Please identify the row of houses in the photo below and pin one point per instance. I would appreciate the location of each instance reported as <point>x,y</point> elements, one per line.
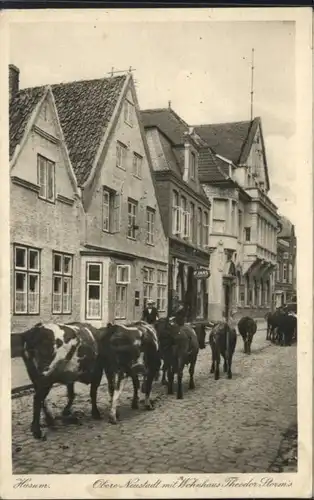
<point>111,205</point>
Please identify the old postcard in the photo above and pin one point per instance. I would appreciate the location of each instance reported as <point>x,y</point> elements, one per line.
<point>157,253</point>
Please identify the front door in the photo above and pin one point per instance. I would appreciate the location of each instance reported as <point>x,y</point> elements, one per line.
<point>227,293</point>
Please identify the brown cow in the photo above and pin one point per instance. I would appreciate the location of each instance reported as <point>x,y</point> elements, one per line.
<point>179,346</point>
<point>222,340</point>
<point>247,328</point>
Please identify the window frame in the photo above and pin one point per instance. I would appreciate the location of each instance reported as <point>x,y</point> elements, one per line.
<point>205,228</point>
<point>27,272</point>
<point>134,203</point>
<point>193,165</point>
<point>220,219</point>
<point>47,162</point>
<point>137,172</point>
<point>122,156</point>
<point>88,283</point>
<point>150,226</point>
<point>199,227</point>
<point>63,276</point>
<point>161,286</point>
<point>246,239</point>
<point>148,283</point>
<point>176,214</point>
<point>119,268</point>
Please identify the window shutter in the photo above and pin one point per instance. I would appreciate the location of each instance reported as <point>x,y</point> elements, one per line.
<point>117,213</point>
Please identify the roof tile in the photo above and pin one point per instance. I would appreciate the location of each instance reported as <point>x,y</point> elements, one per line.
<point>226,139</point>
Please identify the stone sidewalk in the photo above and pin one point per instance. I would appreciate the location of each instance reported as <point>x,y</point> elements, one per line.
<point>225,426</point>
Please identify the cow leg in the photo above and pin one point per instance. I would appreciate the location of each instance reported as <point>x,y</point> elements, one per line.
<point>38,402</point>
<point>225,365</point>
<point>136,385</point>
<point>229,362</point>
<point>164,379</point>
<point>212,369</point>
<point>71,396</point>
<point>95,383</point>
<point>217,363</point>
<point>115,398</point>
<point>148,392</point>
<point>170,376</point>
<point>179,377</point>
<point>191,372</point>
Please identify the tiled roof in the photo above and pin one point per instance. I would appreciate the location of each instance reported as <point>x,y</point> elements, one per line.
<point>211,168</point>
<point>286,227</point>
<point>21,108</point>
<point>226,139</point>
<point>84,109</point>
<point>168,122</point>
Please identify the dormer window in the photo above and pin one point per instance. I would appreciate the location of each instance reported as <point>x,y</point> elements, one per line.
<point>128,112</point>
<point>192,165</point>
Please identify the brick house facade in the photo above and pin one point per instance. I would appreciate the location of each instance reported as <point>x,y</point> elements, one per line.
<point>185,210</point>
<point>285,282</point>
<point>45,216</point>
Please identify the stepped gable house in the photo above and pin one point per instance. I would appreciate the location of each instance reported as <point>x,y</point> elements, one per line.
<point>174,149</point>
<point>244,221</point>
<point>285,285</point>
<point>123,250</point>
<point>46,213</point>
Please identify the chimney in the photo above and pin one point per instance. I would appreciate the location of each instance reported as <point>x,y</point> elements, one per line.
<point>14,77</point>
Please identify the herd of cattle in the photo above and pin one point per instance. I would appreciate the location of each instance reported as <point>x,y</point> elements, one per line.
<point>78,352</point>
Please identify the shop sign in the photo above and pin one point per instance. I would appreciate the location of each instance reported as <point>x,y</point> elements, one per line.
<point>201,273</point>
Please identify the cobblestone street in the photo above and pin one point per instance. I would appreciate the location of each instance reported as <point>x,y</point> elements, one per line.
<point>225,426</point>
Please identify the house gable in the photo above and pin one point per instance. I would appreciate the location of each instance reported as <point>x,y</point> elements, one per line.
<point>129,178</point>
<point>254,156</point>
<point>43,136</point>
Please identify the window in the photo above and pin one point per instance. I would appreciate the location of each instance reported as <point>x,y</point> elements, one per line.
<point>290,273</point>
<point>286,255</point>
<point>192,222</point>
<point>186,218</point>
<point>176,214</point>
<point>199,226</point>
<point>161,290</point>
<point>148,284</point>
<point>62,283</point>
<point>278,272</point>
<point>121,155</point>
<point>111,211</point>
<point>205,228</point>
<point>94,290</point>
<point>284,273</point>
<point>150,222</point>
<point>233,222</point>
<point>123,279</point>
<point>128,112</point>
<point>219,216</point>
<point>137,165</point>
<point>46,178</point>
<point>240,225</point>
<point>132,212</point>
<point>193,166</point>
<point>26,280</point>
<point>247,233</point>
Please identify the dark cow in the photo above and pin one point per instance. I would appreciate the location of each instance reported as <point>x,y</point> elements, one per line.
<point>247,328</point>
<point>272,324</point>
<point>179,347</point>
<point>127,351</point>
<point>222,340</point>
<point>64,354</point>
<point>286,328</point>
<point>165,344</point>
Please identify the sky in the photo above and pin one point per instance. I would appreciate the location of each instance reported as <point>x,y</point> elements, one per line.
<point>202,67</point>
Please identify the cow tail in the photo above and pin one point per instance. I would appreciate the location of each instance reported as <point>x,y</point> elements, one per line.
<point>227,343</point>
<point>27,355</point>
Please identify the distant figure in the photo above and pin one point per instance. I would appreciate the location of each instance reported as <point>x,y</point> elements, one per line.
<point>150,312</point>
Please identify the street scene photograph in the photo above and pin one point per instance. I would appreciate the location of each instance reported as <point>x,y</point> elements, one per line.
<point>153,248</point>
